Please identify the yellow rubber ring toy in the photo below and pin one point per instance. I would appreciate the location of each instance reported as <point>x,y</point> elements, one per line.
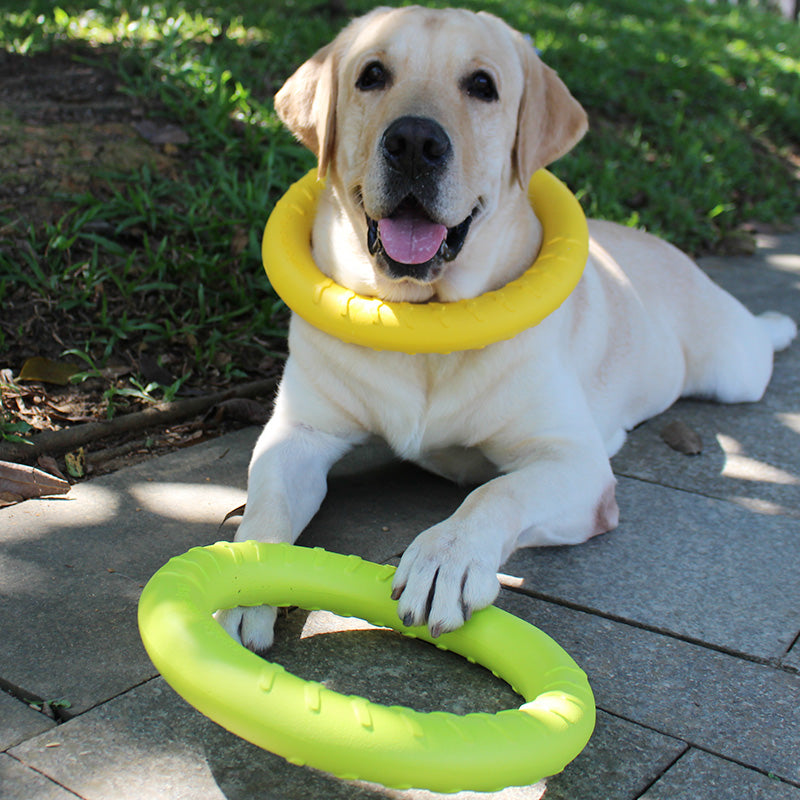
<point>351,737</point>
<point>426,327</point>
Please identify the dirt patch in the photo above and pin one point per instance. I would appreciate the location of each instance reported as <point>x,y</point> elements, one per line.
<point>63,124</point>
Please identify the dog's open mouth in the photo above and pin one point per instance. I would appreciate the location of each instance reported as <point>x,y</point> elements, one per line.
<point>409,236</point>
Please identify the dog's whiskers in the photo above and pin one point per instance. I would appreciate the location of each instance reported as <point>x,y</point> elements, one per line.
<point>357,196</point>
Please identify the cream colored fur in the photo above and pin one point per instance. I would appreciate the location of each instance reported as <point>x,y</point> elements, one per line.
<point>540,414</point>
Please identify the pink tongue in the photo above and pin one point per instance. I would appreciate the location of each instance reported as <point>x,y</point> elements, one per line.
<point>411,239</point>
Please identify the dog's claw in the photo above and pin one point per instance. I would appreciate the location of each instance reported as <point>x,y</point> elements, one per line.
<point>442,581</point>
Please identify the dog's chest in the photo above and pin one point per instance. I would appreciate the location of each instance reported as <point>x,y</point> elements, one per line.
<point>418,403</point>
<point>425,403</point>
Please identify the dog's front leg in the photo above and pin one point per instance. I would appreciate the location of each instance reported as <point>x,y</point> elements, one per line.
<point>286,485</point>
<point>563,495</point>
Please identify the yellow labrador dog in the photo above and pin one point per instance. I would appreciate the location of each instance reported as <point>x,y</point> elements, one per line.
<point>428,125</point>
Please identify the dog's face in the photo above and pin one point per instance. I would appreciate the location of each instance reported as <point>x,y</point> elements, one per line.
<point>428,122</point>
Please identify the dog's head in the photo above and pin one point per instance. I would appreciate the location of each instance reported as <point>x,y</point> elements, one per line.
<point>428,124</point>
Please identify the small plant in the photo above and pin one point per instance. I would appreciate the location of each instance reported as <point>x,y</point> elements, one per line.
<point>149,393</point>
<point>146,393</point>
<point>12,430</point>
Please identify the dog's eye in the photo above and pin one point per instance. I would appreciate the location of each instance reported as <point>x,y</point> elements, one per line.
<point>373,76</point>
<point>480,86</point>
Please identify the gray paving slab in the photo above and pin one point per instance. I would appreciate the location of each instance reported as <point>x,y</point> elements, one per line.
<point>751,454</point>
<point>73,639</point>
<point>699,567</point>
<point>702,775</point>
<point>18,782</point>
<point>19,721</point>
<point>792,659</point>
<point>149,743</point>
<point>619,762</point>
<point>179,754</point>
<point>72,567</point>
<point>376,514</point>
<point>741,710</point>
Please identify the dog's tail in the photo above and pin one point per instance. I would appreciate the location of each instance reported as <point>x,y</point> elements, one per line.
<point>780,329</point>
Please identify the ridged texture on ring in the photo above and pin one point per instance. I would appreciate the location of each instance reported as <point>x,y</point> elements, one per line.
<point>426,327</point>
<point>351,737</point>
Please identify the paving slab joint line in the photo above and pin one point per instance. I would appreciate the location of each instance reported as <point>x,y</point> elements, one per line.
<point>67,717</point>
<point>795,641</point>
<point>739,763</point>
<point>787,514</point>
<point>772,663</point>
<point>664,771</point>
<point>32,700</point>
<point>691,745</point>
<point>47,777</point>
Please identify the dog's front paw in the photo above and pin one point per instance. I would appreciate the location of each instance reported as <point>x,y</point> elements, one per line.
<point>251,626</point>
<point>442,579</point>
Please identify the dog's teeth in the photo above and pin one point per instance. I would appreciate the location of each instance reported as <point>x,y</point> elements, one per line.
<point>373,240</point>
<point>452,245</point>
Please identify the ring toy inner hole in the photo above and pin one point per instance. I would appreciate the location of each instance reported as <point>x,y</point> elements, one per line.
<point>350,736</point>
<point>426,327</point>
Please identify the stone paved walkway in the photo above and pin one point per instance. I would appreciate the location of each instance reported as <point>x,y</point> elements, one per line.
<point>686,618</point>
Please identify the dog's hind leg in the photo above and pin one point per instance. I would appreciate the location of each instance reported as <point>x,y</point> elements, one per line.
<point>730,359</point>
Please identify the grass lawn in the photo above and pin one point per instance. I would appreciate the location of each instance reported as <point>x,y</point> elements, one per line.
<point>134,227</point>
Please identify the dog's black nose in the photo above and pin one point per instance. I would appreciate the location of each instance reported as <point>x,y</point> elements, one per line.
<point>415,146</point>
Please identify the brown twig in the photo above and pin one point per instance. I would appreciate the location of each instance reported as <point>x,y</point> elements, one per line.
<point>62,441</point>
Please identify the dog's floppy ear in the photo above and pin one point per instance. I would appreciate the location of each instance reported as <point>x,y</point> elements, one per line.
<point>550,122</point>
<point>306,104</point>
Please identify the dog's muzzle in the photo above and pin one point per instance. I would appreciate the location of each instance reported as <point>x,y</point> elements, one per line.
<point>410,241</point>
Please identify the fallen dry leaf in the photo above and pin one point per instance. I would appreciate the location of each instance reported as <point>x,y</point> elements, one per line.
<point>679,436</point>
<point>76,463</point>
<point>46,370</point>
<point>19,482</point>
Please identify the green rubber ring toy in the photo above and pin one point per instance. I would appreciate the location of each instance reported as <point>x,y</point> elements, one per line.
<point>426,327</point>
<point>352,737</point>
